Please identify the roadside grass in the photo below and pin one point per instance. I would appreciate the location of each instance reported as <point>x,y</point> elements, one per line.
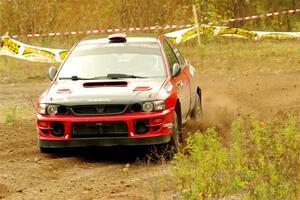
<point>18,71</point>
<point>10,114</point>
<point>226,55</point>
<point>262,162</point>
<point>214,56</point>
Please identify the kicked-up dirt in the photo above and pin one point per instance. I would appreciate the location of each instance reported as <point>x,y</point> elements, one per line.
<point>123,172</point>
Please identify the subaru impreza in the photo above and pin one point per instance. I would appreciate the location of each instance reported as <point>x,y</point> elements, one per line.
<point>118,90</point>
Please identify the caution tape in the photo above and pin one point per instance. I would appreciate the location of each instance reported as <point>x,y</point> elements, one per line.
<point>271,14</point>
<point>97,31</point>
<point>16,49</point>
<point>278,35</point>
<point>187,34</point>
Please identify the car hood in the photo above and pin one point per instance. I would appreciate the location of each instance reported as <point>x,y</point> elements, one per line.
<point>121,91</point>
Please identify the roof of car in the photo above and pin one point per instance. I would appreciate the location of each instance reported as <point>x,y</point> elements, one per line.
<point>128,40</point>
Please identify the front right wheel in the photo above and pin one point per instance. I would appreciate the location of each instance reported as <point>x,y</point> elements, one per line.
<point>175,142</point>
<point>168,150</point>
<point>197,110</point>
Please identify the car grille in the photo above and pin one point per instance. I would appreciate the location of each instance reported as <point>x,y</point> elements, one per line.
<point>98,109</point>
<point>99,129</point>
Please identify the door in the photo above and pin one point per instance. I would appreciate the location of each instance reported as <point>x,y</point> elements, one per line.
<point>181,81</point>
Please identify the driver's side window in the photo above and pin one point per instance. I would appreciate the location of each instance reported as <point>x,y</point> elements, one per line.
<point>171,56</point>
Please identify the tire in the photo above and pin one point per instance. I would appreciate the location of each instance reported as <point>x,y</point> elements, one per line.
<point>197,112</point>
<point>175,142</point>
<point>168,150</point>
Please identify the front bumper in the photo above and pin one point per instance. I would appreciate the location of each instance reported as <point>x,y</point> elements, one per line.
<point>158,132</point>
<point>108,141</point>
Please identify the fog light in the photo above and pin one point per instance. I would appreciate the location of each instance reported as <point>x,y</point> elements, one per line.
<point>157,120</point>
<point>57,128</point>
<point>43,124</point>
<point>141,126</point>
<point>45,131</point>
<point>156,128</point>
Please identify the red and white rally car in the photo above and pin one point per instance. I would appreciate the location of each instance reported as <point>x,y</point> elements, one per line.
<point>118,91</point>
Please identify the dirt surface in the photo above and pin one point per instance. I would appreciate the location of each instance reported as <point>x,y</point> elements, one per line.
<point>101,173</point>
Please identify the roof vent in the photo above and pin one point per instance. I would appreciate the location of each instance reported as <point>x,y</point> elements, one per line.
<point>117,38</point>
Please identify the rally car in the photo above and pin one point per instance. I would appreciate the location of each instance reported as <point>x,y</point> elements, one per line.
<point>118,90</point>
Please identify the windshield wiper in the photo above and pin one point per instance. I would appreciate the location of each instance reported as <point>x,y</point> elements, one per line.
<point>117,76</point>
<point>74,78</point>
<point>110,76</point>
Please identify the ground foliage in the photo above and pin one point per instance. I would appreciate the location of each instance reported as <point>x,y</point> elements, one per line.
<point>261,161</point>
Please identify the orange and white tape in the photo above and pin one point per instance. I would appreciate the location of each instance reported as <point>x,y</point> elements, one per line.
<point>111,30</point>
<point>272,14</point>
<point>14,48</point>
<point>149,28</point>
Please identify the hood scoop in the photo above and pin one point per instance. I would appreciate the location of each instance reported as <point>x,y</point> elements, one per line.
<point>106,84</point>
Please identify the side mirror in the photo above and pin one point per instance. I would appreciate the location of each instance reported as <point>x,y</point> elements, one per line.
<point>52,72</point>
<point>186,61</point>
<point>176,69</point>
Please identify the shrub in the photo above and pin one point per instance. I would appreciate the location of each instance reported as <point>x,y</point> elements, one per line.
<point>261,162</point>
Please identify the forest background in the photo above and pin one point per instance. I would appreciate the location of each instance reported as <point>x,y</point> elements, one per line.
<point>42,16</point>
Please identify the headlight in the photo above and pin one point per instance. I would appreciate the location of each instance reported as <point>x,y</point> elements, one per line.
<point>42,108</point>
<point>51,109</point>
<point>159,105</point>
<point>153,106</point>
<point>147,107</point>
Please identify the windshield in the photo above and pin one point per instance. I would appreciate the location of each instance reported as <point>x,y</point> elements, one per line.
<point>131,60</point>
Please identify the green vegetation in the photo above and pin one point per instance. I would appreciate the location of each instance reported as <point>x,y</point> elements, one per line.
<point>262,161</point>
<point>10,115</point>
<point>225,55</point>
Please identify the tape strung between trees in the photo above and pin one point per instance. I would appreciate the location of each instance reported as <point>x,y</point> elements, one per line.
<point>16,49</point>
